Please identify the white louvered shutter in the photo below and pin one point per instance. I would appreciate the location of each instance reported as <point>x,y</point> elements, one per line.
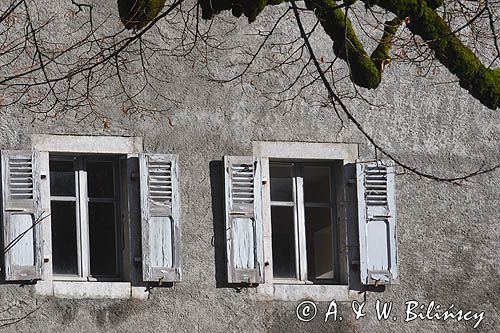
<point>21,216</point>
<point>377,222</point>
<point>160,214</point>
<point>243,221</point>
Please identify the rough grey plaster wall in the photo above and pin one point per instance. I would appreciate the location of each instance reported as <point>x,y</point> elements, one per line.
<point>449,236</point>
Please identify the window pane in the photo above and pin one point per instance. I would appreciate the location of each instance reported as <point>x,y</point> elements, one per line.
<point>100,179</point>
<point>281,182</point>
<point>62,178</point>
<point>102,229</point>
<point>319,238</point>
<point>317,184</point>
<point>64,244</point>
<point>283,241</point>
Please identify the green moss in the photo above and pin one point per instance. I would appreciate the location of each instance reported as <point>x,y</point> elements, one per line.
<point>250,8</point>
<point>381,54</point>
<point>481,82</point>
<point>346,44</point>
<point>435,3</point>
<point>253,8</point>
<point>136,14</point>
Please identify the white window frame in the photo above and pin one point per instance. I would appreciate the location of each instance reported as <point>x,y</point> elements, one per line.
<point>75,144</point>
<point>306,151</point>
<point>82,199</point>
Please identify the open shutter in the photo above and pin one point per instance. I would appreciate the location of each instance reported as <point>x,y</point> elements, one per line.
<point>243,222</point>
<point>377,222</point>
<point>21,216</point>
<point>160,215</point>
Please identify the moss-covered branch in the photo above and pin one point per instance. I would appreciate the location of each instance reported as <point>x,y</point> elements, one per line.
<point>483,83</point>
<point>381,54</point>
<point>250,8</point>
<point>366,71</point>
<point>136,14</point>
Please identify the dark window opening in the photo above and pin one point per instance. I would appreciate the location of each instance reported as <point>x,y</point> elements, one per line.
<point>86,233</point>
<point>303,219</point>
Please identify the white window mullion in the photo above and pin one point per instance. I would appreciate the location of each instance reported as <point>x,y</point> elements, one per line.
<point>296,227</point>
<point>76,165</point>
<point>302,245</point>
<point>84,220</point>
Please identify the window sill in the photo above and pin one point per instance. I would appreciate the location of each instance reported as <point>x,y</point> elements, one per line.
<point>90,290</point>
<point>319,293</point>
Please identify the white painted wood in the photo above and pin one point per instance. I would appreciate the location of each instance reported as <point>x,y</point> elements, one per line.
<point>22,253</point>
<point>243,219</point>
<point>46,226</point>
<point>160,215</point>
<point>244,229</point>
<point>160,236</point>
<point>377,222</point>
<point>83,233</point>
<point>300,236</point>
<point>21,216</point>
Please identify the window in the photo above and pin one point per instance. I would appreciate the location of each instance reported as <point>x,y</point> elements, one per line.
<point>308,220</point>
<point>85,205</point>
<point>90,216</point>
<point>303,218</point>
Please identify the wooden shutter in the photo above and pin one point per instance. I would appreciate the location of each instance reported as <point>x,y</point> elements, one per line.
<point>21,216</point>
<point>377,222</point>
<point>243,221</point>
<point>160,215</point>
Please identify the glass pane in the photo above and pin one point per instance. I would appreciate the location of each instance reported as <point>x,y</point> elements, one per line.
<point>64,244</point>
<point>100,179</point>
<point>320,243</point>
<point>317,184</point>
<point>281,182</point>
<point>62,178</point>
<point>283,242</point>
<point>102,228</point>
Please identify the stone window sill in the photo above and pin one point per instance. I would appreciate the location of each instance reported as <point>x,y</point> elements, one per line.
<point>91,290</point>
<point>319,293</point>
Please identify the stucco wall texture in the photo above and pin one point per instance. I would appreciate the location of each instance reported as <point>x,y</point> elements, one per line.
<point>448,235</point>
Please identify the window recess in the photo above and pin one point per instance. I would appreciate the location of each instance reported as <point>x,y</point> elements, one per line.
<point>304,223</point>
<point>85,203</point>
